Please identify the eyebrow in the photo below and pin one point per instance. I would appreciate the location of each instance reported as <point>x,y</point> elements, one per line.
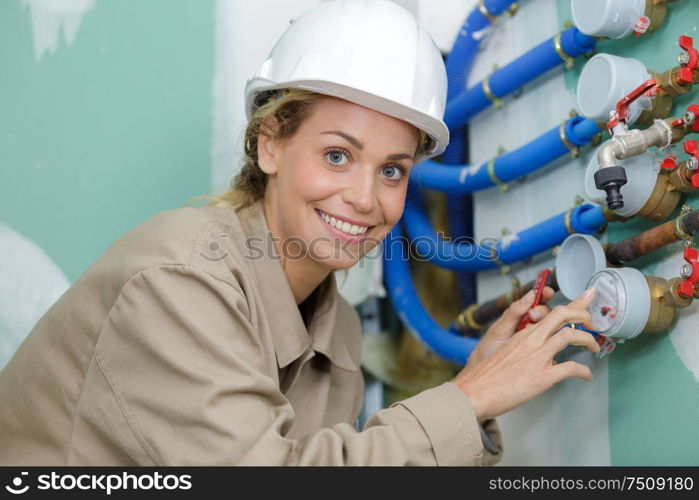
<point>358,144</point>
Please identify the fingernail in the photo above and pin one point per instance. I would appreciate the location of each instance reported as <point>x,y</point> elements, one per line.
<point>534,315</point>
<point>589,293</point>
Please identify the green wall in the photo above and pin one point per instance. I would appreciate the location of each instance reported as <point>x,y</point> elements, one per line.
<point>653,397</point>
<point>105,132</point>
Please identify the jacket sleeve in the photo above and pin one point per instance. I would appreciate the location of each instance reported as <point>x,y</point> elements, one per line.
<point>192,380</point>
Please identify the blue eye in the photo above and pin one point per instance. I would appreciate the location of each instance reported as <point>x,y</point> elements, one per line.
<point>337,157</point>
<point>392,172</point>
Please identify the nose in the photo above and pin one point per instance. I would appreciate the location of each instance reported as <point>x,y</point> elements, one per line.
<point>361,191</point>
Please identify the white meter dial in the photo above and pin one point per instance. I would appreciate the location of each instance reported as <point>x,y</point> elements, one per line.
<point>609,305</point>
<point>622,302</point>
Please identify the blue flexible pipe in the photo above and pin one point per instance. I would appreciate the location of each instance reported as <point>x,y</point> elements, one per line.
<point>519,72</point>
<point>399,284</point>
<point>467,256</point>
<point>467,42</point>
<point>446,343</point>
<point>546,148</point>
<point>458,68</point>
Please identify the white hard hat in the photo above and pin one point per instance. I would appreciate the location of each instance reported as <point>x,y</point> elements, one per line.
<point>370,52</point>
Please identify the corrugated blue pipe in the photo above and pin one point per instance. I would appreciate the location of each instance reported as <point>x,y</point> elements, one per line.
<point>519,72</point>
<point>467,256</point>
<point>458,67</point>
<point>447,344</point>
<point>463,51</point>
<point>546,148</point>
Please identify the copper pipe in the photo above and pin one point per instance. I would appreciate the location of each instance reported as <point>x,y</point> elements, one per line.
<point>634,247</point>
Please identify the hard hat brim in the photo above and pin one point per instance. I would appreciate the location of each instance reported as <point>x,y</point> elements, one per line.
<point>434,128</point>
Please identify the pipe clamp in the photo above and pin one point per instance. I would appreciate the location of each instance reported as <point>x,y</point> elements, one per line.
<point>561,53</point>
<point>567,221</point>
<point>497,102</point>
<point>677,225</point>
<point>502,186</point>
<point>483,10</point>
<point>466,320</point>
<point>574,150</point>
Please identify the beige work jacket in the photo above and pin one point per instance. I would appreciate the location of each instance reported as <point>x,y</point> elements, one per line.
<point>183,345</point>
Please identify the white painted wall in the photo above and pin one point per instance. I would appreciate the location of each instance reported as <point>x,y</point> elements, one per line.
<point>31,282</point>
<point>50,18</point>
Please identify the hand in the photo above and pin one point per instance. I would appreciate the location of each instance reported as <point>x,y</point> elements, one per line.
<point>505,326</point>
<point>523,366</point>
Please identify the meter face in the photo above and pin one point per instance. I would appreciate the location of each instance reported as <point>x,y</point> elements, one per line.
<point>609,305</point>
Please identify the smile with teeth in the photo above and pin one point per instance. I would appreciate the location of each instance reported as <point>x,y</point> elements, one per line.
<point>344,226</point>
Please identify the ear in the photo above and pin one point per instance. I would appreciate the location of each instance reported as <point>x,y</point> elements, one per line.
<point>268,150</point>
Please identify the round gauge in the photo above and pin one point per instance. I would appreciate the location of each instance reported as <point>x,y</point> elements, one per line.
<point>622,302</point>
<point>609,305</point>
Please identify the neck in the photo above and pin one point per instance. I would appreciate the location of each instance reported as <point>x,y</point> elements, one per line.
<point>303,275</point>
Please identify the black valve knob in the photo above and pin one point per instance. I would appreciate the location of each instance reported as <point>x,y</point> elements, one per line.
<point>610,179</point>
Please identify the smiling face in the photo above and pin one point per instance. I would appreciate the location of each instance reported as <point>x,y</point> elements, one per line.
<point>338,186</point>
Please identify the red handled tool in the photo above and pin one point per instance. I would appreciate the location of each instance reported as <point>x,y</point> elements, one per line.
<point>538,288</point>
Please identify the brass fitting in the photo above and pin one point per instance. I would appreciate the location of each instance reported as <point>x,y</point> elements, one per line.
<point>664,302</point>
<point>681,178</point>
<point>611,215</point>
<point>663,199</point>
<point>656,10</point>
<point>661,105</point>
<point>465,321</point>
<point>669,84</point>
<point>676,133</point>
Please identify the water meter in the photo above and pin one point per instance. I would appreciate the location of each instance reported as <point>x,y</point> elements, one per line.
<point>622,302</point>
<point>627,302</point>
<point>649,191</point>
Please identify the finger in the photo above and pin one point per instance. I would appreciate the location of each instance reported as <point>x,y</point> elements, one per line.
<point>513,314</point>
<point>575,312</point>
<point>568,369</point>
<point>548,294</point>
<point>570,336</point>
<point>538,313</point>
<point>584,300</point>
<point>561,315</point>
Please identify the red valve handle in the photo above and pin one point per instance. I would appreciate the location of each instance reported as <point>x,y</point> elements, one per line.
<point>685,75</point>
<point>686,288</point>
<point>621,113</point>
<point>669,163</point>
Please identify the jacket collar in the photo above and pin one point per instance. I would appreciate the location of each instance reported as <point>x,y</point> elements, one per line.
<point>290,335</point>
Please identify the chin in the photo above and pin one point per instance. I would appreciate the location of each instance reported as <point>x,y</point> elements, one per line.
<point>336,258</point>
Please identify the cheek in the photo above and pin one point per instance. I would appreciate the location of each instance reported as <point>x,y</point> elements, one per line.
<point>311,182</point>
<point>392,202</point>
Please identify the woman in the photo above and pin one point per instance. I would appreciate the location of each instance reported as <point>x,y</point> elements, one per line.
<point>215,335</point>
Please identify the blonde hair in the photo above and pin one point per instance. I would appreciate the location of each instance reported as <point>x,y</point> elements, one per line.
<point>288,108</point>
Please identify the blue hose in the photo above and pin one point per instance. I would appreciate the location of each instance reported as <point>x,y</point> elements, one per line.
<point>458,68</point>
<point>467,256</point>
<point>518,163</point>
<point>519,72</point>
<point>463,51</point>
<point>399,284</point>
